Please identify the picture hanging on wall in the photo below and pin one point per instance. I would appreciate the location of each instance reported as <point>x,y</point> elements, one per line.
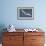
<point>25,13</point>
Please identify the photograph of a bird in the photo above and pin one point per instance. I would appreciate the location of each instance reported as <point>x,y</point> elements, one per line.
<point>26,13</point>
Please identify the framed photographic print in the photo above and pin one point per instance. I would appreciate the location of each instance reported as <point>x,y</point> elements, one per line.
<point>25,13</point>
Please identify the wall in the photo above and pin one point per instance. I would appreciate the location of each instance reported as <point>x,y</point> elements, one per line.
<point>8,13</point>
